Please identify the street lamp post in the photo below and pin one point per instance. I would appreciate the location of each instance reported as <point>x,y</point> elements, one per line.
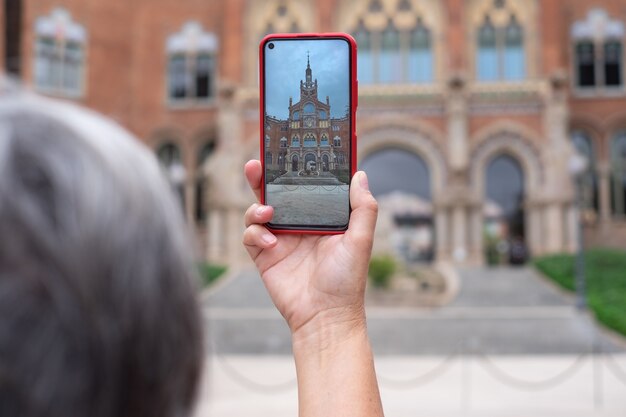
<point>578,166</point>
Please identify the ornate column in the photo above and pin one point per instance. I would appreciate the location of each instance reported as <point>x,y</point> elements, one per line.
<point>553,228</point>
<point>224,171</point>
<point>556,157</point>
<point>214,236</point>
<point>476,254</point>
<point>459,234</point>
<point>458,148</point>
<point>604,191</point>
<point>442,253</point>
<point>534,232</point>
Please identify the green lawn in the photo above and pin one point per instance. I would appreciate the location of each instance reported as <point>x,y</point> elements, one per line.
<point>606,282</point>
<point>210,273</point>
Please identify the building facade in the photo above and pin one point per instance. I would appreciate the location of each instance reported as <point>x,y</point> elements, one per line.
<point>310,139</point>
<point>475,110</point>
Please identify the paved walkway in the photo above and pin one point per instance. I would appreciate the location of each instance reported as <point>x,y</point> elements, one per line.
<point>498,311</point>
<point>509,345</point>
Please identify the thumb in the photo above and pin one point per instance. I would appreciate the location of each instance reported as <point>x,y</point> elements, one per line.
<point>364,211</point>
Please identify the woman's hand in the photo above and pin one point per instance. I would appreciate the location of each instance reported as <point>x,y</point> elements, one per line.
<point>318,285</point>
<point>313,277</point>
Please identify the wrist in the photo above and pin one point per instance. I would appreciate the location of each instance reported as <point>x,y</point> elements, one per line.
<point>329,329</point>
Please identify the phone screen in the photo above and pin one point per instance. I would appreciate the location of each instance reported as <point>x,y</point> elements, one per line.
<point>308,132</point>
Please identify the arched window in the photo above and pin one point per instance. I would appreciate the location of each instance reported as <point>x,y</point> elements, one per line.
<point>323,114</point>
<point>618,174</point>
<point>295,142</point>
<point>169,157</point>
<point>487,62</point>
<point>420,55</point>
<point>324,140</point>
<point>337,142</point>
<point>192,67</point>
<point>582,144</point>
<point>309,108</point>
<point>390,70</point>
<point>268,158</point>
<point>267,140</point>
<point>59,54</point>
<point>283,142</point>
<point>309,141</point>
<point>394,53</point>
<point>201,208</point>
<point>514,57</point>
<point>325,163</point>
<point>341,158</point>
<point>296,115</point>
<point>598,50</point>
<point>365,64</point>
<point>501,54</point>
<point>295,163</point>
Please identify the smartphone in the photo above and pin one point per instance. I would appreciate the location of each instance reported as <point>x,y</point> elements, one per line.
<point>308,142</point>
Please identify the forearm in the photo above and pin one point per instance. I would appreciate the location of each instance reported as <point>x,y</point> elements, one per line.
<point>335,368</point>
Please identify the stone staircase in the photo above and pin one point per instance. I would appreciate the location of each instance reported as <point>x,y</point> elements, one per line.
<point>292,178</point>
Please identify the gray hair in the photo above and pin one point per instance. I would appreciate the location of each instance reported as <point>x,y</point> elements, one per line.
<point>98,315</point>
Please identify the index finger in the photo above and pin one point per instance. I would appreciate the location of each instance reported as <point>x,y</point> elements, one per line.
<point>253,172</point>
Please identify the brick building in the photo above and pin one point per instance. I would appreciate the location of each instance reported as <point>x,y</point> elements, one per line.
<point>310,137</point>
<point>473,107</point>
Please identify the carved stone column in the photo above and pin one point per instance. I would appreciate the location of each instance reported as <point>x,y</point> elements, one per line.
<point>476,255</point>
<point>442,253</point>
<point>604,190</point>
<point>458,147</point>
<point>224,170</point>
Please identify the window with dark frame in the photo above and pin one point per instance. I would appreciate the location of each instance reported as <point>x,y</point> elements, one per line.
<point>586,65</point>
<point>613,63</point>
<point>191,76</point>
<point>618,175</point>
<point>13,36</point>
<point>597,52</point>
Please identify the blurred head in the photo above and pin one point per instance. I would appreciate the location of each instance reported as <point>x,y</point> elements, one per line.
<point>97,309</point>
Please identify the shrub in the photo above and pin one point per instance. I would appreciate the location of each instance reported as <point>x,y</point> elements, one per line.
<point>210,273</point>
<point>381,270</point>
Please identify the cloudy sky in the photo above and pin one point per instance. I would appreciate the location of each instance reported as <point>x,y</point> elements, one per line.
<point>285,66</point>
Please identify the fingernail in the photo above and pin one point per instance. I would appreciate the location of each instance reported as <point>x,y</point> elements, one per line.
<point>260,210</point>
<point>268,238</point>
<point>363,181</point>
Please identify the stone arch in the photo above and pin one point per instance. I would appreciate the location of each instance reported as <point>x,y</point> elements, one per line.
<point>310,158</point>
<point>165,134</point>
<point>616,123</point>
<point>175,136</point>
<point>509,143</point>
<point>593,129</point>
<point>326,161</point>
<point>412,140</point>
<point>294,162</point>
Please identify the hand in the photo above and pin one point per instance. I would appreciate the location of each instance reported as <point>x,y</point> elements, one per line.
<point>314,277</point>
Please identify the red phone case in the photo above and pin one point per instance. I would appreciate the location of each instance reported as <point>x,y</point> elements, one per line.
<point>353,108</point>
